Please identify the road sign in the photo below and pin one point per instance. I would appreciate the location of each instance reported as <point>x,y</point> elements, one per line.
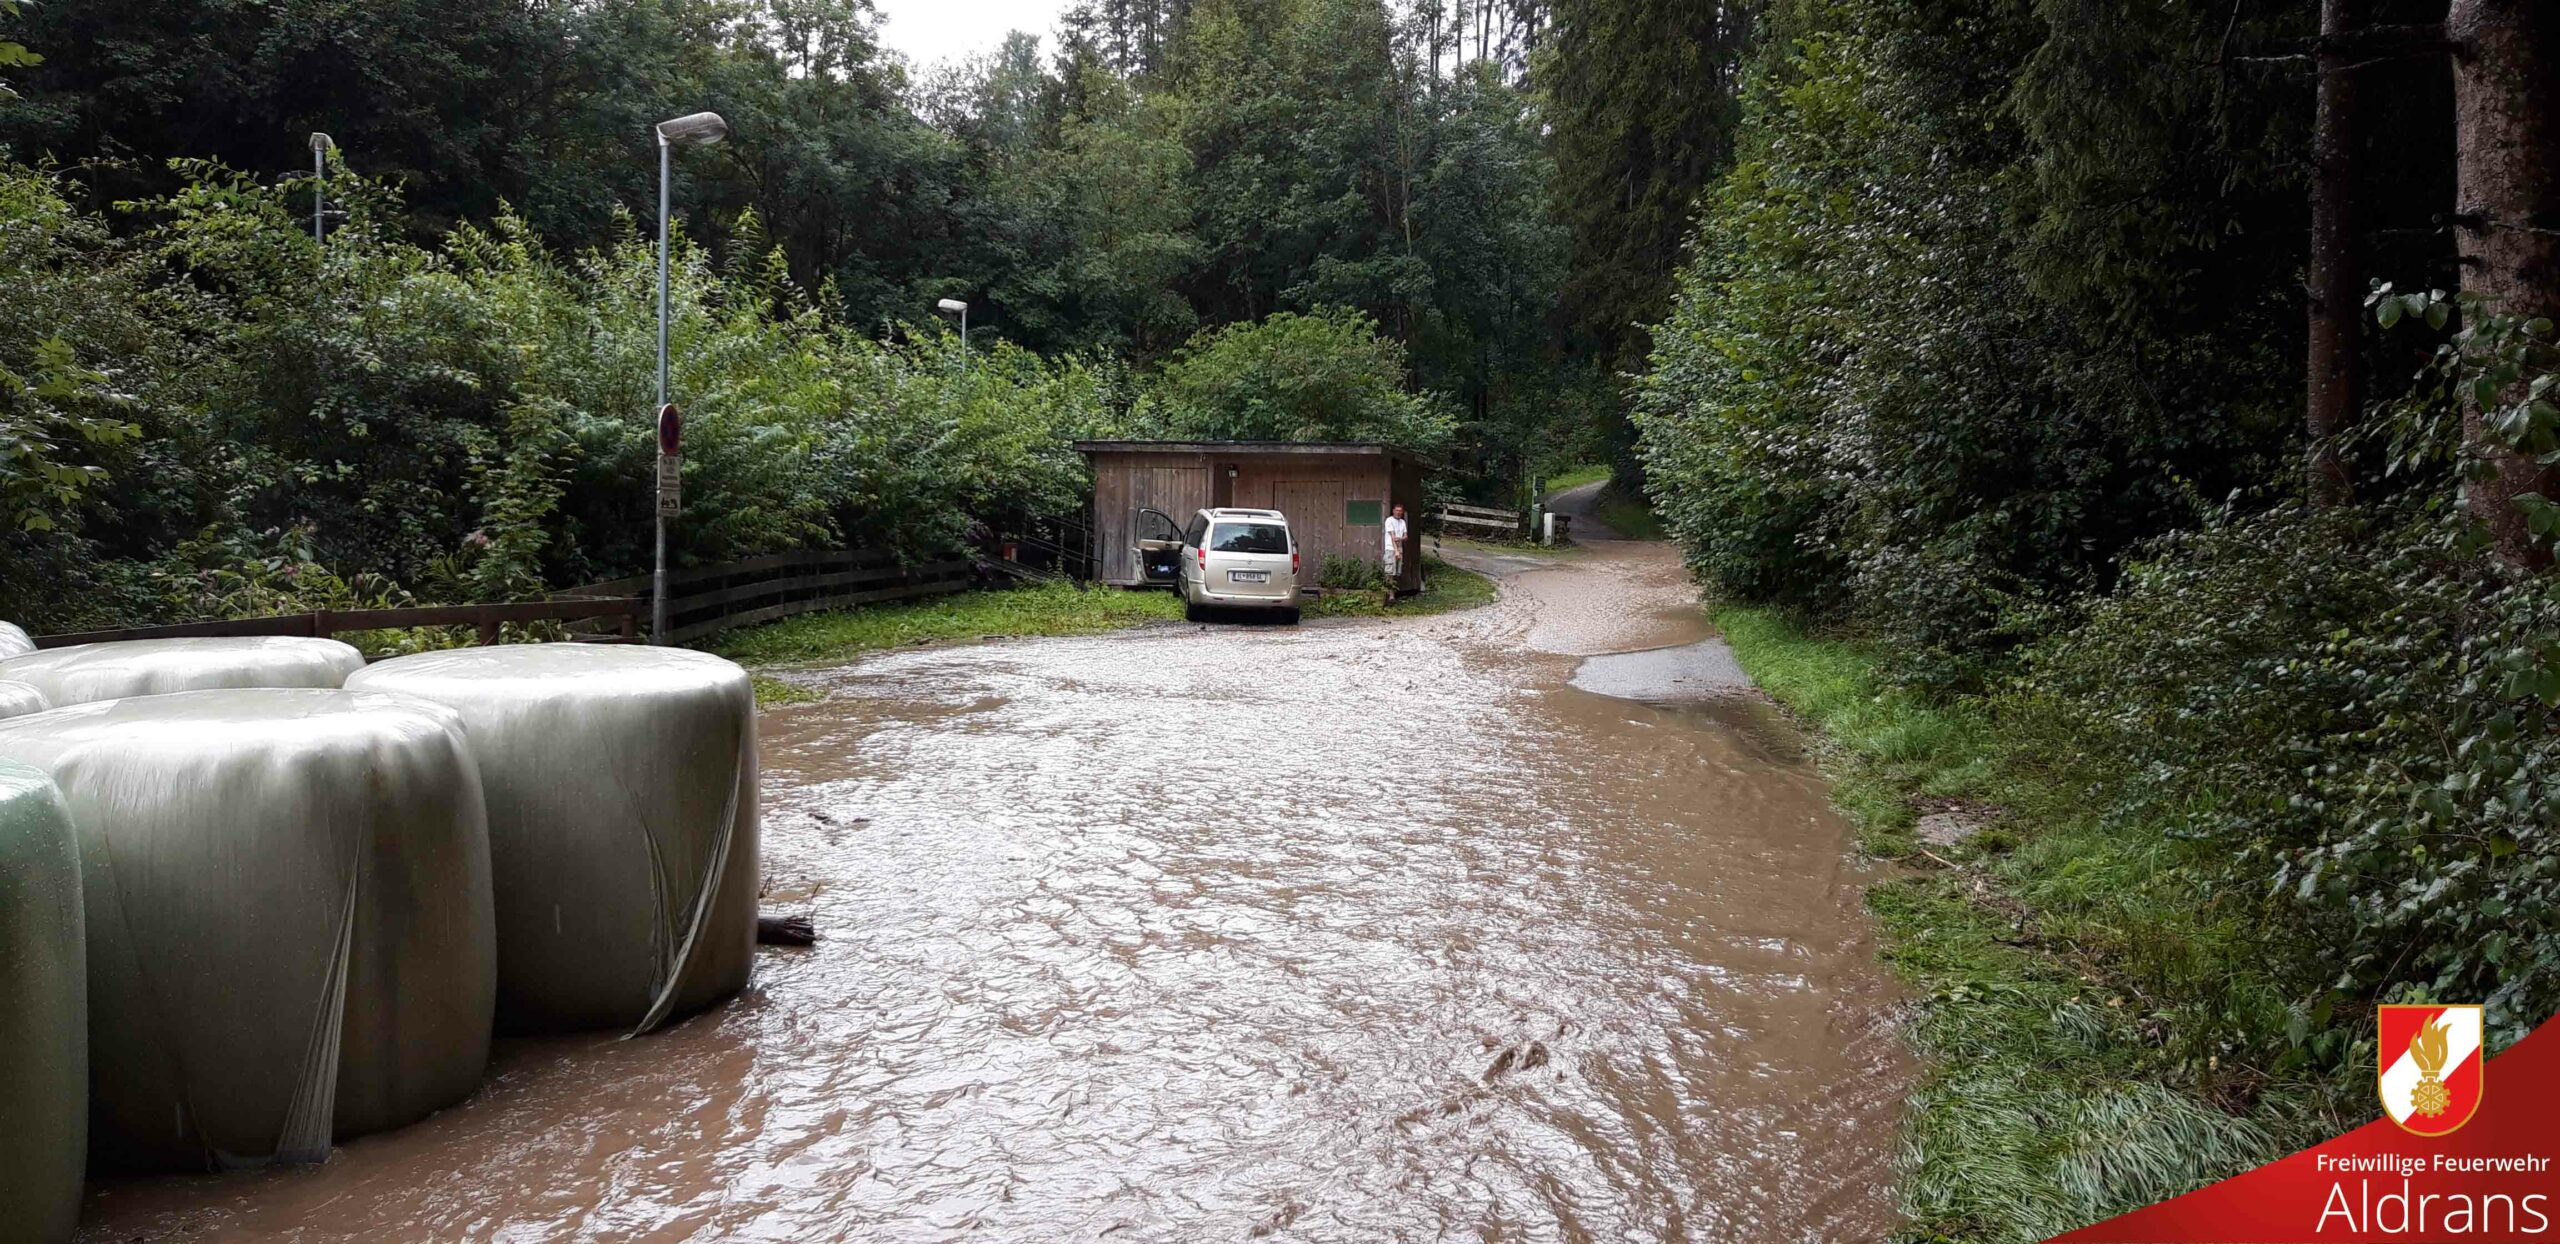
<point>670,429</point>
<point>670,484</point>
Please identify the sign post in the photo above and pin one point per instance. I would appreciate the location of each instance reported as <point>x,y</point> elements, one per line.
<point>670,501</point>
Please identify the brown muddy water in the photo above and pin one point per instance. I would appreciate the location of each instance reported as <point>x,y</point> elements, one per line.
<point>1355,931</point>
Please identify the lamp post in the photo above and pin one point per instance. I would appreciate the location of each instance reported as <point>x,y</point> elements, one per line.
<point>961,309</point>
<point>699,129</point>
<point>320,148</point>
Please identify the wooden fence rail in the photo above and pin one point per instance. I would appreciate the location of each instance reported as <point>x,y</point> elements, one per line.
<point>706,599</point>
<point>485,619</point>
<point>701,600</point>
<point>1480,518</point>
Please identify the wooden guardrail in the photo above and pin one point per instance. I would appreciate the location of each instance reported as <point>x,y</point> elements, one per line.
<point>1480,518</point>
<point>701,600</point>
<point>705,599</point>
<point>624,612</point>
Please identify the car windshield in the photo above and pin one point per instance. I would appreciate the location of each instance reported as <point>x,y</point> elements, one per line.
<point>1248,538</point>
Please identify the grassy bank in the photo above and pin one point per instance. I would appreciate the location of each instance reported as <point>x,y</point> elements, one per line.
<point>1445,588</point>
<point>1629,515</point>
<point>1050,609</point>
<point>1575,478</point>
<point>2092,1018</point>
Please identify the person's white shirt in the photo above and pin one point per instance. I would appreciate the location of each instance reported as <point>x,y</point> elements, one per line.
<point>1394,538</point>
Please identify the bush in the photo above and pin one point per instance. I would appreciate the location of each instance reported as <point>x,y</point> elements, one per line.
<point>2357,709</point>
<point>468,421</point>
<point>1326,376</point>
<point>1350,574</point>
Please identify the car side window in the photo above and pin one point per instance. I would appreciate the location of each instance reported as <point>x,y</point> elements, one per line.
<point>1197,531</point>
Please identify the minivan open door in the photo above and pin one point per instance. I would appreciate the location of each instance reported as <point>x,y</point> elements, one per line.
<point>1159,549</point>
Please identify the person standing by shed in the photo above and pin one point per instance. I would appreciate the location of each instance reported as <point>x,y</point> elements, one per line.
<point>1391,550</point>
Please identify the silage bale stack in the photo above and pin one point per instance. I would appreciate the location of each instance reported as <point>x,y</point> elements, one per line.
<point>44,1032</point>
<point>18,699</point>
<point>622,823</point>
<point>287,914</point>
<point>87,673</point>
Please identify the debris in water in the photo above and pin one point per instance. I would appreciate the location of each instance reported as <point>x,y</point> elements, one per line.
<point>785,931</point>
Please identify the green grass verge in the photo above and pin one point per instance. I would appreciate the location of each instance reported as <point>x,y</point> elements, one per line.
<point>1445,588</point>
<point>1575,478</point>
<point>2086,1003</point>
<point>1629,516</point>
<point>1050,609</point>
<point>775,693</point>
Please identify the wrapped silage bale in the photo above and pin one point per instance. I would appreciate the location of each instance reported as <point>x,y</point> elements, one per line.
<point>14,641</point>
<point>622,823</point>
<point>18,699</point>
<point>44,1023</point>
<point>85,673</point>
<point>288,919</point>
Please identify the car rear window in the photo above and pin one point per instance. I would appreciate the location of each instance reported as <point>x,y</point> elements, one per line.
<point>1248,538</point>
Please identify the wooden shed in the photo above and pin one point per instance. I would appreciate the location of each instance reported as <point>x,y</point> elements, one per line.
<point>1336,496</point>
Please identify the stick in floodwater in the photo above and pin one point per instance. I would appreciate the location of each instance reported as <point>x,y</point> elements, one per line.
<point>785,931</point>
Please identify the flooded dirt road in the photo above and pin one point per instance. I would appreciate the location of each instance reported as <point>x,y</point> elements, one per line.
<point>1356,931</point>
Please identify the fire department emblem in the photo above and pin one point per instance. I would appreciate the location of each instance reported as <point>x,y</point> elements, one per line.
<point>2431,1073</point>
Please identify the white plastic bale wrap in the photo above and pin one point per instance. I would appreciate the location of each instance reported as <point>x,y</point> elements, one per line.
<point>44,1023</point>
<point>17,699</point>
<point>86,673</point>
<point>14,641</point>
<point>622,823</point>
<point>288,917</point>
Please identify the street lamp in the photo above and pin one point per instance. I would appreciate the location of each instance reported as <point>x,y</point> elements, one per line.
<point>961,309</point>
<point>321,145</point>
<point>699,129</point>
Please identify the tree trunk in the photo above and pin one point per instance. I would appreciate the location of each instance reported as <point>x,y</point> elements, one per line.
<point>2506,118</point>
<point>2335,386</point>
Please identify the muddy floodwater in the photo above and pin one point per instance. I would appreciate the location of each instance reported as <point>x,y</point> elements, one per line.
<point>1353,931</point>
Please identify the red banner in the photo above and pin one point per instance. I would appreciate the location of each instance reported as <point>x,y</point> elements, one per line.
<point>2491,1177</point>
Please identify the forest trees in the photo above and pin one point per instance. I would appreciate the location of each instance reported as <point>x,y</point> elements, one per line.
<point>2507,131</point>
<point>1991,348</point>
<point>1344,176</point>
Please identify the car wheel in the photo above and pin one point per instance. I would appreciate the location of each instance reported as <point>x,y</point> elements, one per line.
<point>1192,612</point>
<point>1289,617</point>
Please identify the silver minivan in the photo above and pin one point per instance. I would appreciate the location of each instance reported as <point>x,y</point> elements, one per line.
<point>1238,559</point>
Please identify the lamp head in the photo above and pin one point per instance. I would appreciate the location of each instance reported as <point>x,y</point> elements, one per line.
<point>698,129</point>
<point>321,142</point>
<point>952,305</point>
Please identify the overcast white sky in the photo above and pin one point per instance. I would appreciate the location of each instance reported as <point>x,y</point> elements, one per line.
<point>936,30</point>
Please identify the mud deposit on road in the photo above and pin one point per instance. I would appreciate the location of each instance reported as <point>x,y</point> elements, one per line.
<point>1349,932</point>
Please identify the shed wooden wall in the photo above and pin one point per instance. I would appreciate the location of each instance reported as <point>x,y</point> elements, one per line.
<point>1125,483</point>
<point>1312,489</point>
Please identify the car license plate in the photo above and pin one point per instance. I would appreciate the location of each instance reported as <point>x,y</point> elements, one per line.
<point>1248,576</point>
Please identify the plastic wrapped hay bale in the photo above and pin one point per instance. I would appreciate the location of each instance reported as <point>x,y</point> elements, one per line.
<point>18,699</point>
<point>85,673</point>
<point>44,1025</point>
<point>14,641</point>
<point>287,902</point>
<point>622,823</point>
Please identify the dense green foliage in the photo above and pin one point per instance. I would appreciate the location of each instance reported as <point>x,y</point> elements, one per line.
<point>1228,217</point>
<point>268,416</point>
<point>1988,353</point>
<point>1641,95</point>
<point>1322,377</point>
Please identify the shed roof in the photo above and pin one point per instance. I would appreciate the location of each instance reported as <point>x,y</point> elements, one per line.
<point>1309,448</point>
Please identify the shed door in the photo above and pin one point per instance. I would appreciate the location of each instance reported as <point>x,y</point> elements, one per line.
<point>1314,510</point>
